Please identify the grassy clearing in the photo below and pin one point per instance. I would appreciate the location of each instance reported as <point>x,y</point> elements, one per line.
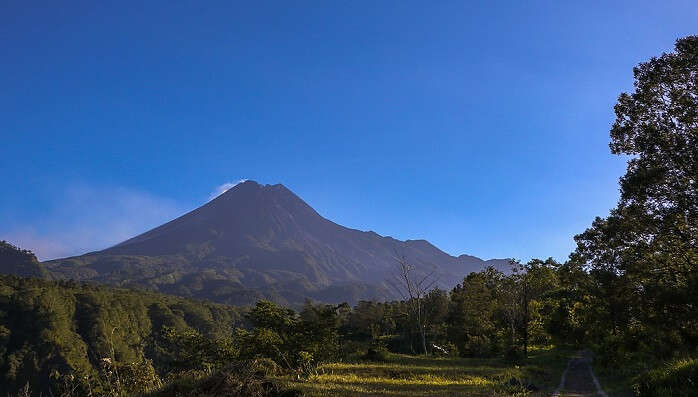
<point>431,376</point>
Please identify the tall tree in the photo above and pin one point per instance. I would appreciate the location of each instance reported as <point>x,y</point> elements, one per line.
<point>645,254</point>
<point>535,278</point>
<point>472,323</point>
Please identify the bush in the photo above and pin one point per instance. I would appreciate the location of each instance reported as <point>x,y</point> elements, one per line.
<point>266,367</point>
<point>477,346</point>
<point>243,378</point>
<point>612,352</point>
<point>305,365</point>
<point>513,355</point>
<point>677,378</point>
<point>512,384</point>
<point>114,379</point>
<point>353,350</point>
<point>376,353</point>
<point>129,378</point>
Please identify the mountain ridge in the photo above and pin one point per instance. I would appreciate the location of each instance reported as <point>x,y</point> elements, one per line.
<point>266,241</point>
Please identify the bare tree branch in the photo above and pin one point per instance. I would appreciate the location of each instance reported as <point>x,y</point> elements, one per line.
<point>414,290</point>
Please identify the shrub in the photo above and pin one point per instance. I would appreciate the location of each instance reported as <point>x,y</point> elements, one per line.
<point>677,378</point>
<point>612,352</point>
<point>306,366</point>
<point>511,383</point>
<point>376,353</point>
<point>353,349</point>
<point>266,367</point>
<point>129,378</point>
<point>477,346</point>
<point>246,378</point>
<point>513,354</point>
<point>114,379</point>
<point>190,350</point>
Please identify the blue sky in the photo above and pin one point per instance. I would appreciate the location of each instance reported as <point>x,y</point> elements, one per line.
<point>482,127</point>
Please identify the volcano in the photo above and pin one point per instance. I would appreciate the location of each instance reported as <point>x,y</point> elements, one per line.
<point>262,241</point>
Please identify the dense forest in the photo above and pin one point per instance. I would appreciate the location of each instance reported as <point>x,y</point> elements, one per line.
<point>50,328</point>
<point>628,292</point>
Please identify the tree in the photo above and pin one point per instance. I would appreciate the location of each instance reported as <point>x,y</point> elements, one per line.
<point>521,292</point>
<point>472,323</point>
<point>570,305</point>
<point>644,256</point>
<point>436,303</point>
<point>535,278</point>
<point>274,334</point>
<point>319,331</point>
<point>414,288</point>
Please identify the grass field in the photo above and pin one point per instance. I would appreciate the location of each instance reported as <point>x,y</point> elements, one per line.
<point>431,376</point>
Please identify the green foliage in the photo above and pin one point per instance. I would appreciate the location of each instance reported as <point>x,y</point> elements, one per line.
<point>266,314</point>
<point>473,318</point>
<point>676,378</point>
<point>305,364</point>
<point>369,320</point>
<point>112,379</point>
<point>376,352</point>
<point>191,350</point>
<point>127,379</point>
<point>294,341</point>
<point>248,378</point>
<point>49,327</point>
<point>477,346</point>
<point>642,260</point>
<point>318,331</point>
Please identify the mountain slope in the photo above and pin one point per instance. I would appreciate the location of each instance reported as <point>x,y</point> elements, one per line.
<point>14,260</point>
<point>262,241</point>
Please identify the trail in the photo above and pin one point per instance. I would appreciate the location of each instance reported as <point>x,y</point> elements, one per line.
<point>578,379</point>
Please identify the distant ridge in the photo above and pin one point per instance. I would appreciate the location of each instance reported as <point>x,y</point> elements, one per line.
<point>257,241</point>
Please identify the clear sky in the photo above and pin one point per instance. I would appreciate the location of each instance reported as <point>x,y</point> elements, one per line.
<point>481,127</point>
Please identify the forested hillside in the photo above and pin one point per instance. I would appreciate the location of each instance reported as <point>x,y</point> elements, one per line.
<point>49,328</point>
<point>60,336</point>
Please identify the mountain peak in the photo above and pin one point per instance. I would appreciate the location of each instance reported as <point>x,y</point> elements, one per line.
<point>250,185</point>
<point>266,238</point>
<point>253,194</point>
<point>245,184</point>
<point>247,188</point>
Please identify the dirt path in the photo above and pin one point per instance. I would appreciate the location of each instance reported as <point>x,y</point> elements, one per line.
<point>578,379</point>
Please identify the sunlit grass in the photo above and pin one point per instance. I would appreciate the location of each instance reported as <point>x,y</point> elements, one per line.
<point>412,380</point>
<point>430,376</point>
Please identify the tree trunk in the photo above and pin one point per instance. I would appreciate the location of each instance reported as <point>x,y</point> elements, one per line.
<point>424,340</point>
<point>525,330</point>
<point>526,340</point>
